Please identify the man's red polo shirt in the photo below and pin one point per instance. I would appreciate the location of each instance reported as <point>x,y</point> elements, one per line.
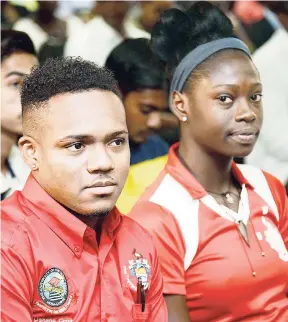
<point>53,269</point>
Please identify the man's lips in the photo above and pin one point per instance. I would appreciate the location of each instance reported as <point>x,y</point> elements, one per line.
<point>102,187</point>
<point>102,183</point>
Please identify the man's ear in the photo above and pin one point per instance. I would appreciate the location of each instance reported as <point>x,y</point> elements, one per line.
<point>30,153</point>
<point>179,106</point>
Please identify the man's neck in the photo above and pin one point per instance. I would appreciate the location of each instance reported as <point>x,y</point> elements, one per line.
<point>95,222</point>
<point>7,142</point>
<point>212,171</point>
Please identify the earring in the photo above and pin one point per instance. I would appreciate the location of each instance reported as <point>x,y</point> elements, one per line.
<point>34,167</point>
<point>184,119</point>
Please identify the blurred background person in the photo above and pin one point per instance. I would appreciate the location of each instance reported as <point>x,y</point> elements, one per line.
<point>271,60</point>
<point>105,30</point>
<point>143,16</point>
<point>253,22</point>
<point>13,10</point>
<point>43,24</point>
<point>79,8</point>
<point>47,29</point>
<point>111,22</point>
<point>140,76</point>
<point>18,56</point>
<point>258,22</point>
<point>10,14</point>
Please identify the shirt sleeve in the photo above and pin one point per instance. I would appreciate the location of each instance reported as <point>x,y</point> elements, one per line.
<point>280,197</point>
<point>15,290</point>
<point>169,242</point>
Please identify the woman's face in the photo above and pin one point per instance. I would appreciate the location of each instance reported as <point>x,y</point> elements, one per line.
<point>143,109</point>
<point>224,107</point>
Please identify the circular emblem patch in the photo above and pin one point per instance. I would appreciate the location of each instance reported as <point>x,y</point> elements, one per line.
<point>53,287</point>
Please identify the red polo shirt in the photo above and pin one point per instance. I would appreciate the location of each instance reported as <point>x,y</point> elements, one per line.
<point>204,257</point>
<point>53,269</point>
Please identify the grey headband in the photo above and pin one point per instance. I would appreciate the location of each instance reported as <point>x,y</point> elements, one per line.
<point>198,55</point>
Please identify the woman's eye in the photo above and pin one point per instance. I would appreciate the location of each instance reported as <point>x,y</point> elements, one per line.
<point>76,147</point>
<point>256,97</point>
<point>117,142</point>
<point>224,99</point>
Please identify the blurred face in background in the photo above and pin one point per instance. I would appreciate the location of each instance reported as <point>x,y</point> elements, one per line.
<point>113,12</point>
<point>151,12</point>
<point>143,112</point>
<point>13,70</point>
<point>45,12</point>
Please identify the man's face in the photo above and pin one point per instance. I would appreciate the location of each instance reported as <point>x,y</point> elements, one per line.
<point>113,11</point>
<point>83,151</point>
<point>13,70</point>
<point>151,12</point>
<point>142,108</point>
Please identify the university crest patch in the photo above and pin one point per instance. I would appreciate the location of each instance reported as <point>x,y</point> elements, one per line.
<point>53,290</point>
<point>138,268</point>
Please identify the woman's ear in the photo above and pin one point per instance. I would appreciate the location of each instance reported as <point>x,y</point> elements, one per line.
<point>29,151</point>
<point>179,105</point>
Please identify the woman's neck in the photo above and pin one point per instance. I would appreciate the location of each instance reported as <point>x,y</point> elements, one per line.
<point>212,171</point>
<point>7,142</point>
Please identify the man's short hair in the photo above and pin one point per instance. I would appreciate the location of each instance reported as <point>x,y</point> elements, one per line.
<point>13,41</point>
<point>64,75</point>
<point>135,66</point>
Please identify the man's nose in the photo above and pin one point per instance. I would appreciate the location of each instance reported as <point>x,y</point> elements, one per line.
<point>99,159</point>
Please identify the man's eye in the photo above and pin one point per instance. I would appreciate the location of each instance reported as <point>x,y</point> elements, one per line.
<point>224,99</point>
<point>117,142</point>
<point>256,97</point>
<point>75,147</point>
<point>16,84</point>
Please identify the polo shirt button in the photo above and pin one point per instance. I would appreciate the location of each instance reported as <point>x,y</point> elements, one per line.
<point>265,210</point>
<point>76,249</point>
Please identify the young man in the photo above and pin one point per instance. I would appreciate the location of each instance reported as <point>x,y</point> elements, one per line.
<point>17,58</point>
<point>67,253</point>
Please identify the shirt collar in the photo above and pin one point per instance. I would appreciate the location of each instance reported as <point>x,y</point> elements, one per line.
<point>68,228</point>
<point>177,170</point>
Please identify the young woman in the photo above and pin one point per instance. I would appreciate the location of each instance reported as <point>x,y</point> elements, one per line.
<point>221,229</point>
<point>140,76</point>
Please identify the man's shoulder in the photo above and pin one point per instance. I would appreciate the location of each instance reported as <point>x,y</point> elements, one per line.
<point>157,140</point>
<point>133,231</point>
<point>13,218</point>
<point>134,227</point>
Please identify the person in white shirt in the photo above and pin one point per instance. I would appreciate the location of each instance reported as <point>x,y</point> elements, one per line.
<point>112,22</point>
<point>271,151</point>
<point>101,34</point>
<point>44,24</point>
<point>17,58</point>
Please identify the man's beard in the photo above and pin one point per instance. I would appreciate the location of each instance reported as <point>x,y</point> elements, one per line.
<point>98,214</point>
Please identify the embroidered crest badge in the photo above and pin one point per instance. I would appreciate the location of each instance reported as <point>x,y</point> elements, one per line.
<point>138,268</point>
<point>53,288</point>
